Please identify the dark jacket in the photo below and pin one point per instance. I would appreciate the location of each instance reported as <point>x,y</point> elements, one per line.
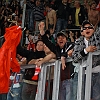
<point>29,73</point>
<point>81,15</point>
<point>65,74</point>
<point>63,11</point>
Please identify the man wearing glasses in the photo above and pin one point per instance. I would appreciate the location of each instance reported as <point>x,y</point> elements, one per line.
<point>88,42</point>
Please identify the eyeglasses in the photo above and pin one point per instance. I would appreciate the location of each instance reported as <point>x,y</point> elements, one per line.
<point>90,27</point>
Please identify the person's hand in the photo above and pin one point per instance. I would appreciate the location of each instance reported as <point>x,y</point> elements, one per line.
<point>91,49</point>
<point>71,34</point>
<point>39,63</point>
<point>70,52</point>
<point>41,27</point>
<point>63,60</point>
<point>23,61</point>
<point>63,66</point>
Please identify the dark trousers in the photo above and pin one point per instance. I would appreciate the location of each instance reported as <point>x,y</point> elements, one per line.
<point>3,96</point>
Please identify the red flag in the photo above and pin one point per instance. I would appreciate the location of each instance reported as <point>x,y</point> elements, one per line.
<point>8,56</point>
<point>98,7</point>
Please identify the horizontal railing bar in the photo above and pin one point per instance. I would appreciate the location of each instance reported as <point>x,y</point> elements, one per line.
<point>33,65</point>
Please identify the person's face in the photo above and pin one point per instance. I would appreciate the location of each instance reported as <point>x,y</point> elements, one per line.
<point>27,32</point>
<point>37,2</point>
<point>93,6</point>
<point>47,8</point>
<point>61,40</point>
<point>76,3</point>
<point>88,30</point>
<point>40,46</point>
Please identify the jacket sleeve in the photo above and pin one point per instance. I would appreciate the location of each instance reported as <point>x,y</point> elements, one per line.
<point>96,36</point>
<point>70,45</point>
<point>49,44</point>
<point>29,54</point>
<point>78,52</point>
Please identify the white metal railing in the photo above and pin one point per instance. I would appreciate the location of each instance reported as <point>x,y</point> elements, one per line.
<point>23,21</point>
<point>42,79</point>
<point>88,72</point>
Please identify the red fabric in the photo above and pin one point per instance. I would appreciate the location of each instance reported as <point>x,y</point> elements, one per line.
<point>31,46</point>
<point>45,13</point>
<point>36,74</point>
<point>8,56</point>
<point>98,7</point>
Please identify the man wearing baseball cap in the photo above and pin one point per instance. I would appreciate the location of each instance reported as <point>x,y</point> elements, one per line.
<point>88,42</point>
<point>62,47</point>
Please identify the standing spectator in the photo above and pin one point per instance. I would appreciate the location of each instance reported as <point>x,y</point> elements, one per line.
<point>63,16</point>
<point>88,42</point>
<point>39,13</point>
<point>31,45</point>
<point>50,17</point>
<point>62,44</point>
<point>30,6</point>
<point>93,14</point>
<point>78,15</point>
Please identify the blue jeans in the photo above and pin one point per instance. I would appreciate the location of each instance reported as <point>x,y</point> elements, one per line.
<point>95,86</point>
<point>30,19</point>
<point>14,93</point>
<point>65,91</point>
<point>28,91</point>
<point>61,24</point>
<point>74,86</point>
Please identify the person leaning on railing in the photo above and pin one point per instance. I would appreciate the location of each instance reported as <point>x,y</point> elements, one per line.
<point>66,71</point>
<point>88,42</point>
<point>38,57</point>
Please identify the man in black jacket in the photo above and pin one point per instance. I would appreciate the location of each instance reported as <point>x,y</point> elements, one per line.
<point>62,45</point>
<point>63,14</point>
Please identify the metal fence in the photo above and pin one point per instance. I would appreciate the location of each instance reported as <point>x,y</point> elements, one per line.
<point>88,72</point>
<point>42,79</point>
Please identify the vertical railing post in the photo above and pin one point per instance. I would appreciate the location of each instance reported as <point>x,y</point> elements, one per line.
<point>48,87</point>
<point>23,21</point>
<point>79,87</point>
<point>88,77</point>
<point>81,73</point>
<point>56,80</point>
<point>41,83</point>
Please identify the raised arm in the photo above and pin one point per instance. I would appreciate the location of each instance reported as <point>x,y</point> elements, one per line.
<point>45,39</point>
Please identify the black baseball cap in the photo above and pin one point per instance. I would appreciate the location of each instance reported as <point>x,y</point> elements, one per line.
<point>86,22</point>
<point>61,34</point>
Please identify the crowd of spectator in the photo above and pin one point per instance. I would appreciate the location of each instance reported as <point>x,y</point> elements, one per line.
<point>63,23</point>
